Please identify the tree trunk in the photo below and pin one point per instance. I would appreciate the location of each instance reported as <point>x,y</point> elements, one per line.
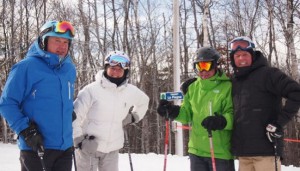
<point>290,41</point>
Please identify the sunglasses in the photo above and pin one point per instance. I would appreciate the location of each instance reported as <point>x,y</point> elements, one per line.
<point>61,28</point>
<point>204,66</point>
<point>241,45</point>
<point>119,60</point>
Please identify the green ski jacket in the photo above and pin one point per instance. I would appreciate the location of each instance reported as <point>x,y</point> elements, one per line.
<point>196,106</point>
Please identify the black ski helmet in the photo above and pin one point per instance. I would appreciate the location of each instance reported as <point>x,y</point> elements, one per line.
<point>206,54</point>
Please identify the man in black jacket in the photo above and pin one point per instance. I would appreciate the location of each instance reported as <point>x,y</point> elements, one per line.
<point>259,115</point>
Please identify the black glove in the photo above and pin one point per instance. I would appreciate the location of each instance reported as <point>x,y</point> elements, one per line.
<point>217,122</point>
<point>274,131</point>
<point>167,109</point>
<point>185,85</point>
<point>32,137</point>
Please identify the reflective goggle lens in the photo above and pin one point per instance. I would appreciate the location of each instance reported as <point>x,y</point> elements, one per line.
<point>201,66</point>
<point>241,44</point>
<point>63,27</point>
<point>119,60</point>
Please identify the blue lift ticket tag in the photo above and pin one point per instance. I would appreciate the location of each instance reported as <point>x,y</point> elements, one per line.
<point>171,96</point>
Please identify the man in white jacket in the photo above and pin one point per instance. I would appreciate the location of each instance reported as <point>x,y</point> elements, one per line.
<point>102,107</point>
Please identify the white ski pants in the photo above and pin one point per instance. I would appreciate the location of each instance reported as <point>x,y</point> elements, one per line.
<point>100,161</point>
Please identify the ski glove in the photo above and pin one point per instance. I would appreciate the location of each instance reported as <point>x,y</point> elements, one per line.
<point>78,141</point>
<point>185,85</point>
<point>212,123</point>
<point>128,120</point>
<point>167,109</point>
<point>274,131</point>
<point>32,137</point>
<point>87,144</point>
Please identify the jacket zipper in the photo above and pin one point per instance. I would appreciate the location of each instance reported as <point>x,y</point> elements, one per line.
<point>69,85</point>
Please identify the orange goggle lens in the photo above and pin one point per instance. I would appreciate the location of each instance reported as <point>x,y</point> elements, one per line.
<point>204,66</point>
<point>63,27</point>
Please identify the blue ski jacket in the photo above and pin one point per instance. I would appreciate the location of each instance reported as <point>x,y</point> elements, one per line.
<point>40,89</point>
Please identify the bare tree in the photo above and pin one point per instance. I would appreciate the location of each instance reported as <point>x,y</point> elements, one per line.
<point>185,60</point>
<point>86,56</point>
<point>196,27</point>
<point>143,30</point>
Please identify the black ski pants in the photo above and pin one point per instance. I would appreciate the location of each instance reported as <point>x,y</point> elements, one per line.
<point>55,160</point>
<point>204,164</point>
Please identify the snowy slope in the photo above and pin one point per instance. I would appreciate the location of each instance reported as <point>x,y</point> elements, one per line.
<point>9,161</point>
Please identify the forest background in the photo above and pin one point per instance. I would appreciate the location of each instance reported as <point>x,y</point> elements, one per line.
<point>143,29</point>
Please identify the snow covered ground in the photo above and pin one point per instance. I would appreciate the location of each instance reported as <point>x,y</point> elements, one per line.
<point>9,161</point>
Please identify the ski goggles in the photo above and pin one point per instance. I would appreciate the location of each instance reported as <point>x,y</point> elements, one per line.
<point>61,27</point>
<point>119,60</point>
<point>241,45</point>
<point>204,66</point>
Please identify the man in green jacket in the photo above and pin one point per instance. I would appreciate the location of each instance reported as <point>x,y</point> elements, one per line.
<point>207,105</point>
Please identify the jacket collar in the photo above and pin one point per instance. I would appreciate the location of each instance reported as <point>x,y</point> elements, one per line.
<point>105,83</point>
<point>213,81</point>
<point>53,60</point>
<point>258,61</point>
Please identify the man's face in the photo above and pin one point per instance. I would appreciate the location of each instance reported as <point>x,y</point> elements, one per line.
<point>115,71</point>
<point>58,45</point>
<point>242,58</point>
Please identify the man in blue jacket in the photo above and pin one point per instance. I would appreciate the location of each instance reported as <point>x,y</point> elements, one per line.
<point>37,100</point>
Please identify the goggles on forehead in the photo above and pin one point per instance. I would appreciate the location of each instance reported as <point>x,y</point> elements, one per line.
<point>119,60</point>
<point>204,66</point>
<point>61,28</point>
<point>241,45</point>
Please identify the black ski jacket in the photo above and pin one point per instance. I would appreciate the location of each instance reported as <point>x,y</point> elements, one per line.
<point>257,97</point>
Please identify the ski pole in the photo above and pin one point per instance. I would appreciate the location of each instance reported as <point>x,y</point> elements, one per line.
<point>128,148</point>
<point>212,153</point>
<point>74,157</point>
<point>40,152</point>
<point>169,96</point>
<point>275,150</point>
<point>166,142</point>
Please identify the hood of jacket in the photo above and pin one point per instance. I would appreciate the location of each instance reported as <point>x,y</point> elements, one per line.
<point>213,81</point>
<point>258,61</point>
<point>52,60</point>
<point>105,83</point>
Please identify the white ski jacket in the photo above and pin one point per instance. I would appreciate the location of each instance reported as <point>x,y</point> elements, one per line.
<point>102,106</point>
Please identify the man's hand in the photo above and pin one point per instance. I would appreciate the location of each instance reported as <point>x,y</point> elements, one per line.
<point>216,122</point>
<point>274,131</point>
<point>167,109</point>
<point>32,137</point>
